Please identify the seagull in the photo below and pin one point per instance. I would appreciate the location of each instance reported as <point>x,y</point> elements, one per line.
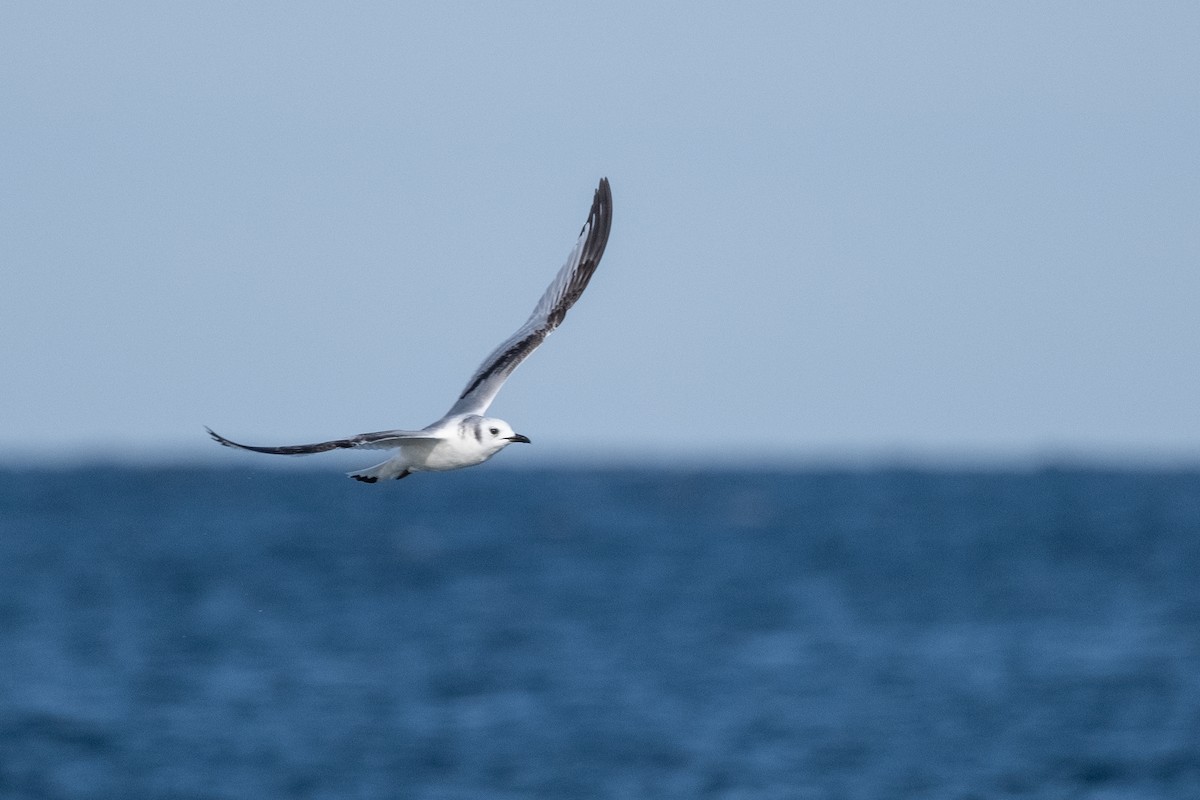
<point>464,437</point>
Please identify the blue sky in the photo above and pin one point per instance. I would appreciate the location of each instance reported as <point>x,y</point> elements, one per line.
<point>840,230</point>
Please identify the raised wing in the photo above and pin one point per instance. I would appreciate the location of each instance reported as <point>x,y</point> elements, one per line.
<point>550,311</point>
<point>366,441</point>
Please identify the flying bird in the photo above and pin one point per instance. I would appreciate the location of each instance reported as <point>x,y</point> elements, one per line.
<point>464,437</point>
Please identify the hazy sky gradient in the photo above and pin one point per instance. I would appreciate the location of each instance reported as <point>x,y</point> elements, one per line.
<point>919,228</point>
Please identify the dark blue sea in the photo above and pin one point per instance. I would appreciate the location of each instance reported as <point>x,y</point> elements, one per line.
<point>600,633</point>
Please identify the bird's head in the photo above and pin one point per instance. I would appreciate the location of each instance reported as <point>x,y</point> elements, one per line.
<point>499,432</point>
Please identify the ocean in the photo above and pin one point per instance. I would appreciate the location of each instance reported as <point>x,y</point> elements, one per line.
<point>497,633</point>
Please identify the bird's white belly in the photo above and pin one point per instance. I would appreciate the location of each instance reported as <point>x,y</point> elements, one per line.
<point>448,454</point>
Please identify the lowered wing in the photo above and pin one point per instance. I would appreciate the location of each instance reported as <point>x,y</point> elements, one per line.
<point>366,441</point>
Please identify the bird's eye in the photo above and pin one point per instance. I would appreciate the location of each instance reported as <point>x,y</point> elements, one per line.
<point>494,431</point>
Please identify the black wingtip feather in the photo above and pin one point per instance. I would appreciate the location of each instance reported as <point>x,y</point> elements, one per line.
<point>218,438</point>
<point>289,450</point>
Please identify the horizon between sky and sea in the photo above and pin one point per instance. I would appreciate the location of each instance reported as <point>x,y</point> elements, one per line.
<point>868,467</point>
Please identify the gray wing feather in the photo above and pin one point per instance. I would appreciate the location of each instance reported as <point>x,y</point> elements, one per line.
<point>549,313</point>
<point>367,441</point>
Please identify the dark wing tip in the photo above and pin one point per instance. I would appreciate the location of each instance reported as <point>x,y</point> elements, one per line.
<point>597,228</point>
<point>600,220</point>
<point>290,450</point>
<point>218,438</point>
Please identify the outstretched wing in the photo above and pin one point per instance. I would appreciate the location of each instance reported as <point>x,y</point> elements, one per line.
<point>367,441</point>
<point>550,311</point>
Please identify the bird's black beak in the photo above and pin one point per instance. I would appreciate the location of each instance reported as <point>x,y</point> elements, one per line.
<point>519,437</point>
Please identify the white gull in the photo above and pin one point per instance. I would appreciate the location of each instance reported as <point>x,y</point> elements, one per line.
<point>464,437</point>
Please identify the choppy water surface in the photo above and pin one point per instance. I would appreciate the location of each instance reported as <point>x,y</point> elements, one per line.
<point>208,633</point>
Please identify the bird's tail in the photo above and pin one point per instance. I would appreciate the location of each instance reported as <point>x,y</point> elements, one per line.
<point>387,469</point>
